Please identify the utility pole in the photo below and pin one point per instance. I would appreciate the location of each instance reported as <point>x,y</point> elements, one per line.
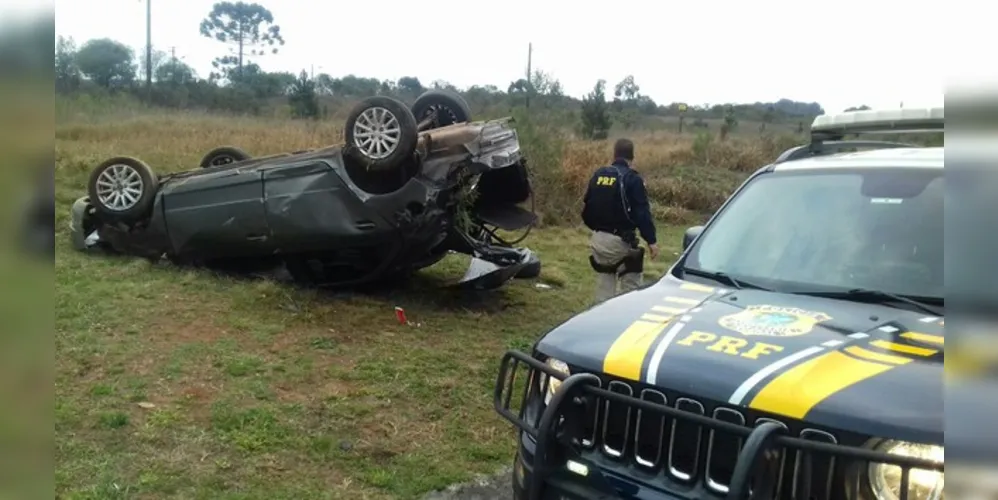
<point>173,54</point>
<point>530,54</point>
<point>149,50</point>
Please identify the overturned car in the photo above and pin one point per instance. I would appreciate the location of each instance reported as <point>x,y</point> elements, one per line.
<point>408,186</point>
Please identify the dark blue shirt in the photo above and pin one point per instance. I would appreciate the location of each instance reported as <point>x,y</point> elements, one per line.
<point>637,199</point>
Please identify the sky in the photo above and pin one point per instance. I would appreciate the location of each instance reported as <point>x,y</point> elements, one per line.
<point>881,53</point>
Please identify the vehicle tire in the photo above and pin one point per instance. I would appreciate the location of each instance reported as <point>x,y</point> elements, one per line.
<point>450,107</point>
<point>123,188</point>
<point>372,126</point>
<point>223,156</point>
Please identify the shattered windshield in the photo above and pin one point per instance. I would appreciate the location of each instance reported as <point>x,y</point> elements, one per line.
<point>832,230</point>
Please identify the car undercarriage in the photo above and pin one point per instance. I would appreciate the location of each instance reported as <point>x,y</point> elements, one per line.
<point>363,212</point>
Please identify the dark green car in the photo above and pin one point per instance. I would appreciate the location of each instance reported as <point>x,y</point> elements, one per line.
<point>794,350</point>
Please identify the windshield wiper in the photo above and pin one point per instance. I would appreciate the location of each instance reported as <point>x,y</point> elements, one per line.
<point>858,293</point>
<point>723,278</point>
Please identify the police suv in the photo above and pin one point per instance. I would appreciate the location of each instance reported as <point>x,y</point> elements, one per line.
<point>794,350</point>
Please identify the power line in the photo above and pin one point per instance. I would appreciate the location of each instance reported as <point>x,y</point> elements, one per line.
<point>149,49</point>
<point>530,54</point>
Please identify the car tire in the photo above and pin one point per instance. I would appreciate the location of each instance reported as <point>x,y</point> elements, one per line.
<point>451,108</point>
<point>123,189</point>
<point>223,156</point>
<point>400,126</point>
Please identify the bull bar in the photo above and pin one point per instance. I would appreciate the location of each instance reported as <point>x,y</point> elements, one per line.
<point>754,469</point>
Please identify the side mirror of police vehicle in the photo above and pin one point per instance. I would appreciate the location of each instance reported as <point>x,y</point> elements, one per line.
<point>690,235</point>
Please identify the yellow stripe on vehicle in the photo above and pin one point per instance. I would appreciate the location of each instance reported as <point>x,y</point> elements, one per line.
<point>924,337</point>
<point>627,354</point>
<point>656,317</point>
<point>876,356</point>
<point>668,310</point>
<point>794,392</point>
<point>682,300</point>
<point>907,349</point>
<point>694,287</point>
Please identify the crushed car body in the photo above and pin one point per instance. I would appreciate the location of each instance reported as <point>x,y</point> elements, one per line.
<point>398,196</point>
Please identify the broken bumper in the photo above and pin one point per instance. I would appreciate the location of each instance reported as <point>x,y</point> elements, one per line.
<point>490,274</point>
<point>560,454</point>
<point>82,239</point>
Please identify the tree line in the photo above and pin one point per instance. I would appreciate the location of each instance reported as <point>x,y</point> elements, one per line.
<point>248,32</point>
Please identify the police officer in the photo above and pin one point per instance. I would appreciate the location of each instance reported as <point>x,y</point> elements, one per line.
<point>616,204</point>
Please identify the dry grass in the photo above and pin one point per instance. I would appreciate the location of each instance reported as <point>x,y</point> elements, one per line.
<point>687,176</point>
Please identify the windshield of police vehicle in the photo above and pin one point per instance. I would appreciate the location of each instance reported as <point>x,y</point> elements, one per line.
<point>832,230</point>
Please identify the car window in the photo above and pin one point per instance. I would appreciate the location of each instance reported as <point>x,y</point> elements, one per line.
<point>880,229</point>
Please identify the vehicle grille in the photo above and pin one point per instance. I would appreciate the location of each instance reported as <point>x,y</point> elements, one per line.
<point>685,453</point>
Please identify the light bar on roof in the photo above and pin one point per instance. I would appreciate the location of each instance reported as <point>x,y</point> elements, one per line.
<point>901,120</point>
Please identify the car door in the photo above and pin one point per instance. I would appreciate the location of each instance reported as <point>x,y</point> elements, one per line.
<point>310,208</point>
<point>217,214</point>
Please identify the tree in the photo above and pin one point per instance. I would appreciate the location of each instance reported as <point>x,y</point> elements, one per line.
<point>324,84</point>
<point>626,101</point>
<point>626,90</point>
<point>302,97</point>
<point>444,85</point>
<point>107,62</point>
<point>158,58</point>
<point>67,72</point>
<point>595,113</point>
<point>519,86</point>
<point>546,88</point>
<point>410,85</point>
<point>730,122</point>
<point>248,26</point>
<point>543,83</point>
<point>767,118</point>
<point>174,71</point>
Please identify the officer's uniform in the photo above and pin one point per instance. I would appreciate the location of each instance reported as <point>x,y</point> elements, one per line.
<point>616,205</point>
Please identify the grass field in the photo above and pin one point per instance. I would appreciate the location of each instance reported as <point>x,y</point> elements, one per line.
<point>181,383</point>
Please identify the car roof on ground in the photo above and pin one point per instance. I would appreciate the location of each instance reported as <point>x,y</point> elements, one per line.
<point>915,157</point>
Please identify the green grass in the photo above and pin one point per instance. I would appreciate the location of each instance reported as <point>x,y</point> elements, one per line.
<point>179,383</point>
<point>262,390</point>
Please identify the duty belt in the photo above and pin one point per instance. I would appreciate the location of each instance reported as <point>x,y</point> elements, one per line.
<point>628,235</point>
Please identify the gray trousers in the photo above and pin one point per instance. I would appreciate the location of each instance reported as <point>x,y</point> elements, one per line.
<point>607,249</point>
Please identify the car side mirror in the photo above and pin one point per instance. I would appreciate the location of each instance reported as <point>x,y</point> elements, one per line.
<point>690,235</point>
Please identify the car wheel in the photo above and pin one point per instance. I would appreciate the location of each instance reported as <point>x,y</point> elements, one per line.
<point>381,133</point>
<point>123,188</point>
<point>439,108</point>
<point>223,156</point>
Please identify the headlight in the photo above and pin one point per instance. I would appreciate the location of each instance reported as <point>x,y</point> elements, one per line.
<point>885,479</point>
<point>559,366</point>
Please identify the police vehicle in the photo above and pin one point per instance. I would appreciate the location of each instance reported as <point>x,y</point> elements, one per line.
<point>794,350</point>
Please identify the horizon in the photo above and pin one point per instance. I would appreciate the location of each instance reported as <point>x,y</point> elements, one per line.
<point>314,44</point>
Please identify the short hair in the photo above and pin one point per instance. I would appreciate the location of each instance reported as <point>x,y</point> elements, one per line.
<point>623,149</point>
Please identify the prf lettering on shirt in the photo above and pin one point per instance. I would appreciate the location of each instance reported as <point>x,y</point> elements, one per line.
<point>605,180</point>
<point>732,346</point>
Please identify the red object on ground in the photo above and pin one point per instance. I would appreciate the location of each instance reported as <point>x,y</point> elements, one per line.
<point>400,314</point>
